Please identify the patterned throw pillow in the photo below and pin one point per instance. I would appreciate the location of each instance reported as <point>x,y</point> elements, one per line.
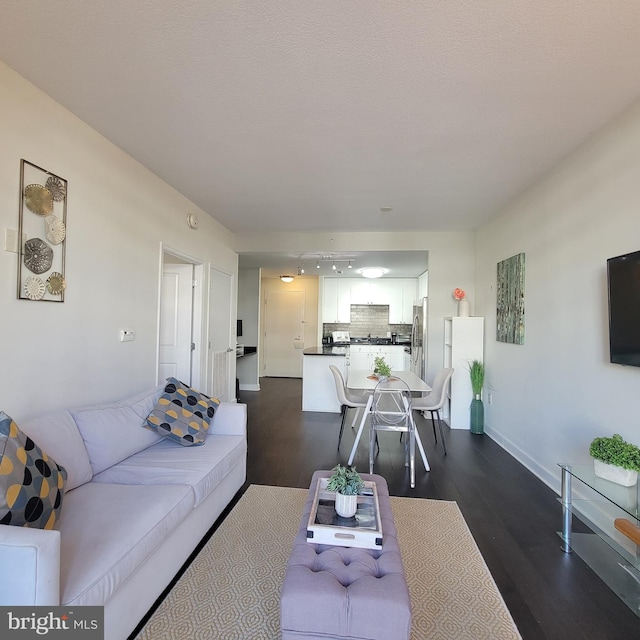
<point>31,483</point>
<point>182,414</point>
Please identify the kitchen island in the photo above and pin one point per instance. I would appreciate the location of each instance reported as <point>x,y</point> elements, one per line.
<point>318,385</point>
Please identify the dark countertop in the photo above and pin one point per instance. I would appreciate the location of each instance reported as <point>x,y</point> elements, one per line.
<point>326,350</point>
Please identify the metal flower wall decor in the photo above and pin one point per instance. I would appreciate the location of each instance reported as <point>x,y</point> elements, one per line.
<point>42,231</point>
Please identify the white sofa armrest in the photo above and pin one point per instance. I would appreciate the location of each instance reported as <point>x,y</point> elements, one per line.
<point>30,561</point>
<point>230,419</point>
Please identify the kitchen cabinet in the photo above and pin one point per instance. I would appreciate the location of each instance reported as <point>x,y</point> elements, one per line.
<point>318,384</point>
<point>340,293</point>
<point>463,342</point>
<point>362,356</point>
<point>377,291</point>
<point>402,297</point>
<point>423,285</point>
<point>406,361</point>
<point>336,301</point>
<point>395,359</point>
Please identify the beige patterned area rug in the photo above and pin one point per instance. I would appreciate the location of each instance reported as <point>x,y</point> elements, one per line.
<point>231,591</point>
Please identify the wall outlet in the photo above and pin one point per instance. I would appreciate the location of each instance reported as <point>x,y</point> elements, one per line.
<point>127,335</point>
<point>490,398</point>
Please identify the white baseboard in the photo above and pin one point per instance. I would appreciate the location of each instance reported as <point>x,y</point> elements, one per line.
<point>249,387</point>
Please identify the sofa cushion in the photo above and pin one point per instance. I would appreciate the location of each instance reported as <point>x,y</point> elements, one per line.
<point>57,433</point>
<point>182,414</point>
<point>108,530</point>
<point>202,468</point>
<point>31,483</point>
<point>111,432</point>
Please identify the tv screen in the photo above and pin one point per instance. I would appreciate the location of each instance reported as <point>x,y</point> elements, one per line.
<point>239,328</point>
<point>623,279</point>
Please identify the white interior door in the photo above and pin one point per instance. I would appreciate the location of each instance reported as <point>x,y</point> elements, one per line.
<point>284,334</point>
<point>221,372</point>
<point>176,322</point>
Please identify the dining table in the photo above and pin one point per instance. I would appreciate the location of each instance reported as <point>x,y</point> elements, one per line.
<point>365,380</point>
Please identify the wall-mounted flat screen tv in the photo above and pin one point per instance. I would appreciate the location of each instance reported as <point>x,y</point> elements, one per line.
<point>623,279</point>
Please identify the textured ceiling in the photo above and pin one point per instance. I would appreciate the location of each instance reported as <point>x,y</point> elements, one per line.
<point>310,116</point>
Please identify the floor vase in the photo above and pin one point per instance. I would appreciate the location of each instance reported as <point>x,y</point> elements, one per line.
<point>476,422</point>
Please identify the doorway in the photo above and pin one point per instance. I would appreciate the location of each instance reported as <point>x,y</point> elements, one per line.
<point>180,319</point>
<point>283,333</point>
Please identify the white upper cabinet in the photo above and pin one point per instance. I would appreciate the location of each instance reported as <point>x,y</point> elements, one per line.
<point>340,293</point>
<point>336,302</point>
<point>423,285</point>
<point>404,294</point>
<point>365,291</point>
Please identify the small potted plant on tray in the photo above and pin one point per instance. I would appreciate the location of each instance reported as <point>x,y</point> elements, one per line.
<point>348,485</point>
<point>616,460</point>
<point>381,369</point>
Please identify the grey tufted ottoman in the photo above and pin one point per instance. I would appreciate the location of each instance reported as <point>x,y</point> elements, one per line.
<point>344,592</point>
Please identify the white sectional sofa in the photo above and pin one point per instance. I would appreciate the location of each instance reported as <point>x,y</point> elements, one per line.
<point>135,507</point>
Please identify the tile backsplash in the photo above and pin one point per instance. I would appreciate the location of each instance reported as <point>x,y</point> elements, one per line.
<point>367,319</point>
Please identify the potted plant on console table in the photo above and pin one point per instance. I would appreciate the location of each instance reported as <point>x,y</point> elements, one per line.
<point>616,460</point>
<point>348,485</point>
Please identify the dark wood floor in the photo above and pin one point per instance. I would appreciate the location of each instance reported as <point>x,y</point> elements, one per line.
<point>513,516</point>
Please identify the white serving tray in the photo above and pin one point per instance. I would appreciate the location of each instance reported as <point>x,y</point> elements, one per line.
<point>364,530</point>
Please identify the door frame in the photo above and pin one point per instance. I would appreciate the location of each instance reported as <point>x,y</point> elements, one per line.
<point>231,335</point>
<point>198,356</point>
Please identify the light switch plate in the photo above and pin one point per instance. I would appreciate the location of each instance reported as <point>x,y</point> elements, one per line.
<point>11,240</point>
<point>127,335</point>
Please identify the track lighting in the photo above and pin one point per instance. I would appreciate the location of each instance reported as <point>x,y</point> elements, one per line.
<point>321,261</point>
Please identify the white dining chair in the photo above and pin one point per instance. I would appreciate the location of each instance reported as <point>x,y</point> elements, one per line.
<point>434,401</point>
<point>346,399</point>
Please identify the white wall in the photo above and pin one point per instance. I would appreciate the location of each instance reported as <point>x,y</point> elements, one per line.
<point>57,355</point>
<point>555,393</point>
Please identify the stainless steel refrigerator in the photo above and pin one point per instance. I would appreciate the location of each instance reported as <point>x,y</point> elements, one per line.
<point>419,340</point>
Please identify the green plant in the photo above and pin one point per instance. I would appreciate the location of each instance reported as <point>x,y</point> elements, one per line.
<point>476,372</point>
<point>616,451</point>
<point>381,367</point>
<point>345,480</point>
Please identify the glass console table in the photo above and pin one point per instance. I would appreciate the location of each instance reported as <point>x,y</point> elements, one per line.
<point>598,503</point>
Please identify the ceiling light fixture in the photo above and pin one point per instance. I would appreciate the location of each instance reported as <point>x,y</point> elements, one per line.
<point>333,266</point>
<point>301,269</point>
<point>372,272</point>
<point>349,266</point>
<point>317,264</point>
<point>286,278</point>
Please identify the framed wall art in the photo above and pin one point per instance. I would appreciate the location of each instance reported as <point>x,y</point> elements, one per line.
<point>42,231</point>
<point>510,305</point>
